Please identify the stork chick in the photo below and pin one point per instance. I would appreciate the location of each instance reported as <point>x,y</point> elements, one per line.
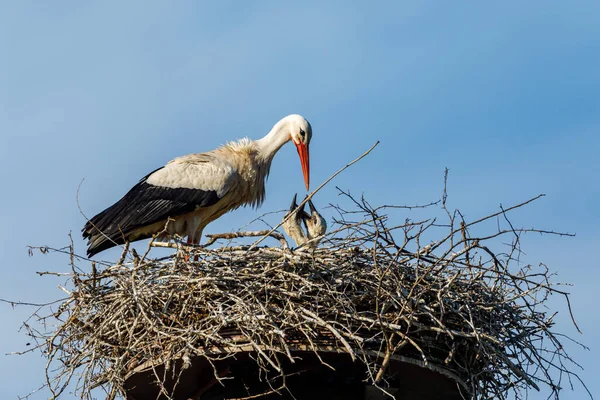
<point>315,224</point>
<point>293,226</point>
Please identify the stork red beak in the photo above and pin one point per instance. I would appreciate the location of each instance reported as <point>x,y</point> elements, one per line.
<point>305,161</point>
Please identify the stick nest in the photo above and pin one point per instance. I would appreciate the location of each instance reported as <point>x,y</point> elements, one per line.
<point>474,314</point>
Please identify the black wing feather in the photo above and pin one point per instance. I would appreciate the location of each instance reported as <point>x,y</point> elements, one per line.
<point>143,205</point>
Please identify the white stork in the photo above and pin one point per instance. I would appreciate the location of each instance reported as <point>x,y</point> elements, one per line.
<point>314,222</point>
<point>194,190</point>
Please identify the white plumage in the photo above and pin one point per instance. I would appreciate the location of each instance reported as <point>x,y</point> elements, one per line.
<point>194,190</point>
<point>196,171</point>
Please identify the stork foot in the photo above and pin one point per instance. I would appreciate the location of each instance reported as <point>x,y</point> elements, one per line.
<point>186,257</point>
<point>191,245</point>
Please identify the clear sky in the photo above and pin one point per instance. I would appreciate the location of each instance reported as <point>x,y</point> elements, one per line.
<point>505,94</point>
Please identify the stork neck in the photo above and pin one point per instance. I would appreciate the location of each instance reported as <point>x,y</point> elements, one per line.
<point>272,142</point>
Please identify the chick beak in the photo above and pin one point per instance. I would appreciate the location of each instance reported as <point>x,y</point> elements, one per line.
<point>294,205</point>
<point>313,210</point>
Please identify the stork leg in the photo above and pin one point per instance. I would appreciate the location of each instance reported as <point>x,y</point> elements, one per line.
<point>196,237</point>
<point>196,242</point>
<point>193,234</point>
<point>186,255</point>
<point>191,242</point>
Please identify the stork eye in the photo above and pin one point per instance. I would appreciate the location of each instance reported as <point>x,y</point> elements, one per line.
<point>302,133</point>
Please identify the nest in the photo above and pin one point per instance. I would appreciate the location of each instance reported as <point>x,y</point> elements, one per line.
<point>370,290</point>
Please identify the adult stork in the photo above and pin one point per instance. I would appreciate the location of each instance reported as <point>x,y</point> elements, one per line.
<point>189,192</point>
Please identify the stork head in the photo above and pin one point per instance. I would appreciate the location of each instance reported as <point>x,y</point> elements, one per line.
<point>301,133</point>
<point>295,128</point>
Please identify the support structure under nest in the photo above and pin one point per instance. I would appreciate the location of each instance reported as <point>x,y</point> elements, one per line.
<point>372,291</point>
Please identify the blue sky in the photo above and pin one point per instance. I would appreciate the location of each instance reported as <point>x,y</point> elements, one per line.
<point>506,95</point>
